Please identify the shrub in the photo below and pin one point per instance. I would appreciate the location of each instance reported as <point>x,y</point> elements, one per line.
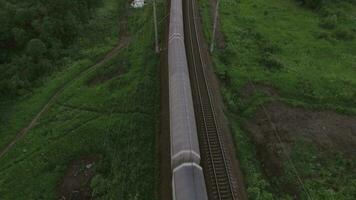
<point>225,55</point>
<point>271,62</point>
<point>23,16</point>
<point>100,186</point>
<point>329,22</point>
<point>322,35</point>
<point>56,26</point>
<point>20,36</point>
<point>36,48</point>
<point>313,4</point>
<point>268,46</point>
<point>343,34</point>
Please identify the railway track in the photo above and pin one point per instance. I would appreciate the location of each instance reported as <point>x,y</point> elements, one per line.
<point>216,165</point>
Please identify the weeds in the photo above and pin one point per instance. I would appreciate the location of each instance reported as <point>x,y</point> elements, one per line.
<point>301,53</point>
<point>123,132</point>
<point>329,22</point>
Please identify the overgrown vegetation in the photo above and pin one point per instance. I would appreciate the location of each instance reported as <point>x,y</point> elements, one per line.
<point>115,118</point>
<point>306,51</point>
<point>100,37</point>
<point>37,38</point>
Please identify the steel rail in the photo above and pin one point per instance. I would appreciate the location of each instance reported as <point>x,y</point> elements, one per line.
<point>220,178</point>
<point>200,100</point>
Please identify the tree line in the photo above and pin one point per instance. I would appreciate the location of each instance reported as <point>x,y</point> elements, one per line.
<point>317,4</point>
<point>34,36</point>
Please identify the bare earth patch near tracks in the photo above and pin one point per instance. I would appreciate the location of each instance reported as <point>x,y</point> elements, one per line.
<point>315,93</point>
<point>326,129</point>
<point>76,181</point>
<point>121,44</point>
<point>308,139</point>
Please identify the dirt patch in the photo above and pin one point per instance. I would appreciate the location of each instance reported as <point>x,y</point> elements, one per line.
<point>75,184</point>
<point>251,89</point>
<point>275,133</point>
<point>326,129</point>
<point>101,78</point>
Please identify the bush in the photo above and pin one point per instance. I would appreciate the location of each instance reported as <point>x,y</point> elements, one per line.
<point>269,47</point>
<point>323,35</point>
<point>36,48</point>
<point>343,34</point>
<point>329,22</point>
<point>225,55</point>
<point>56,26</point>
<point>20,36</point>
<point>24,16</point>
<point>313,4</point>
<point>100,186</point>
<point>271,62</point>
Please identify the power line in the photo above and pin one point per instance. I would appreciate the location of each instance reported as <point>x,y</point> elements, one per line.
<point>215,25</point>
<point>155,24</point>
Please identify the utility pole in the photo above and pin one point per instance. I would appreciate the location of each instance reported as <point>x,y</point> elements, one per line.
<point>155,24</point>
<point>215,25</point>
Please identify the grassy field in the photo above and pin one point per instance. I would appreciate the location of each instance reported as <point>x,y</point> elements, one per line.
<point>307,57</point>
<point>111,112</point>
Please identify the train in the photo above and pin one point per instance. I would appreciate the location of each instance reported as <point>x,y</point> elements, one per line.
<point>188,181</point>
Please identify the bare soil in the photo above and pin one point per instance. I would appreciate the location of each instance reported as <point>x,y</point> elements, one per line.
<point>75,184</point>
<point>328,131</point>
<point>101,78</point>
<point>252,88</point>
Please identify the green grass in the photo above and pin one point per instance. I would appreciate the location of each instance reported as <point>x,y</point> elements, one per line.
<point>284,45</point>
<point>15,114</point>
<point>315,71</point>
<point>257,186</point>
<point>326,174</point>
<point>116,119</point>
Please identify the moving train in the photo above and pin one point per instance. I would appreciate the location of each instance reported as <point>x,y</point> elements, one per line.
<point>188,179</point>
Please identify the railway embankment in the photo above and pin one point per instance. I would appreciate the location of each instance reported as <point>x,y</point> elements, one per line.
<point>287,79</point>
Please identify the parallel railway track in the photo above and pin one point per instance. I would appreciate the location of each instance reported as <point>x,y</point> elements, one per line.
<point>216,165</point>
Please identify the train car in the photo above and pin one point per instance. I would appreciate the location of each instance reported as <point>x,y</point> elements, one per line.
<point>188,182</point>
<point>183,131</point>
<point>188,179</point>
<point>176,29</point>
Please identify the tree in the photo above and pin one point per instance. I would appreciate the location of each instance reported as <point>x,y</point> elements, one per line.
<point>23,16</point>
<point>36,48</point>
<point>20,36</point>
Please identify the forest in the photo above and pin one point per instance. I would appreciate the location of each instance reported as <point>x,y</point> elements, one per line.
<point>35,38</point>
